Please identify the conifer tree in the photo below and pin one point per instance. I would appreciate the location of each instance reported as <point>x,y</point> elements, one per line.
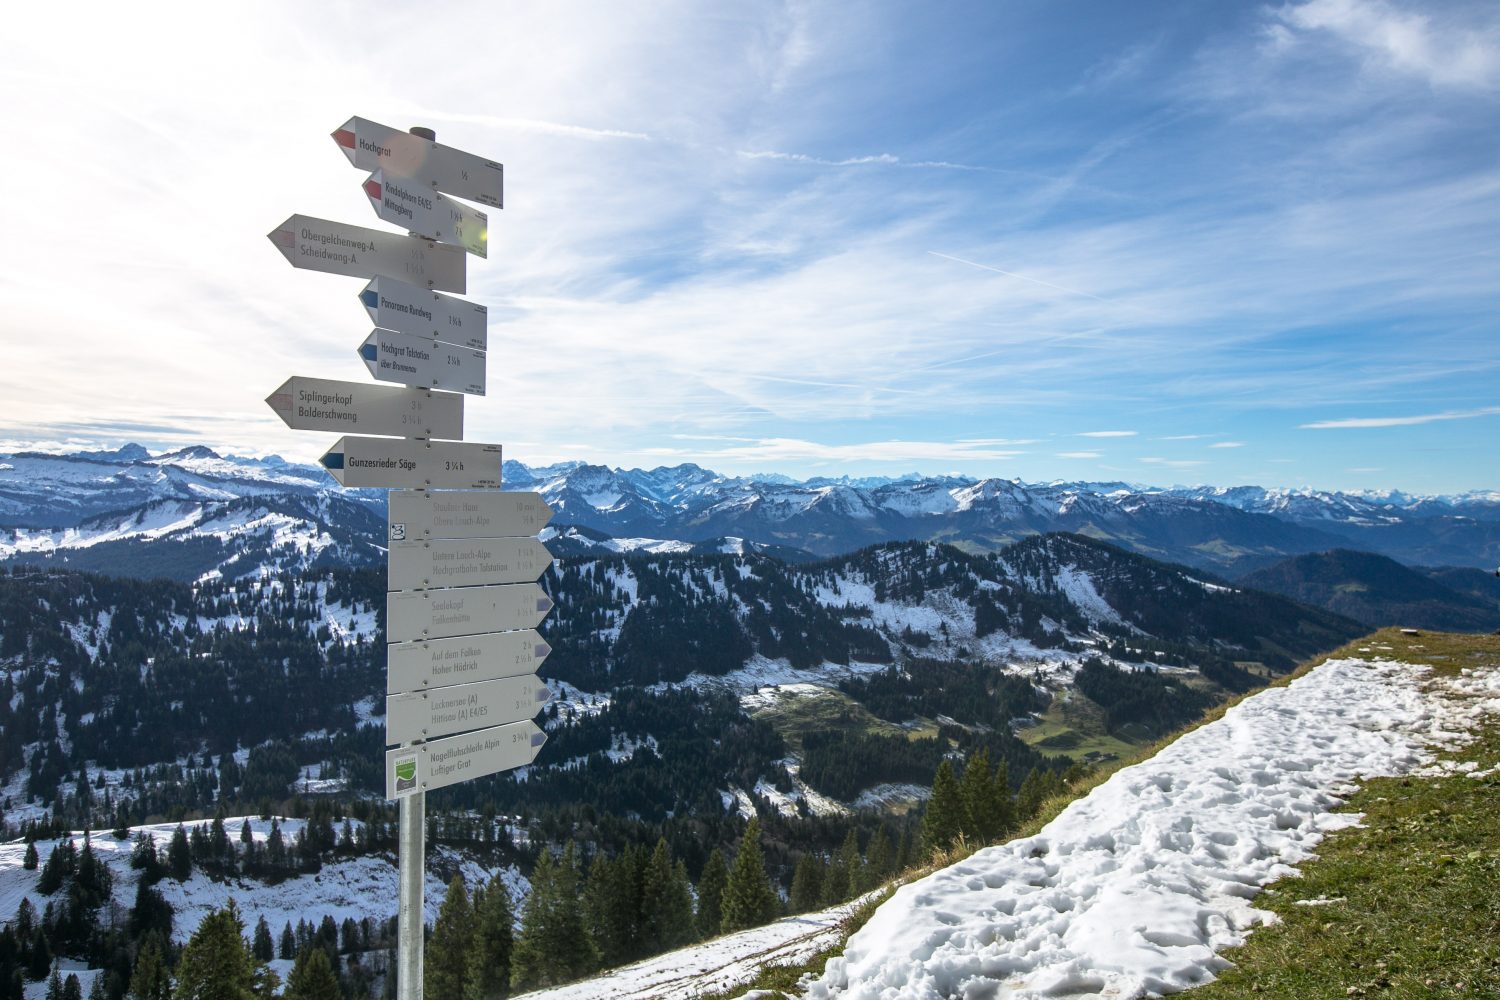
<point>29,862</point>
<point>880,859</point>
<point>553,947</point>
<point>179,855</point>
<point>489,959</point>
<point>150,979</point>
<point>906,852</point>
<point>807,883</point>
<point>1034,790</point>
<point>943,821</point>
<point>985,810</point>
<point>261,945</point>
<point>711,894</point>
<point>1006,806</point>
<point>445,967</point>
<point>749,900</point>
<point>666,903</point>
<point>312,978</point>
<point>287,946</point>
<point>72,989</point>
<point>216,964</point>
<point>54,986</point>
<point>848,859</point>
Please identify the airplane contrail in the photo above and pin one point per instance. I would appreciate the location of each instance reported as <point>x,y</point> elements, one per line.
<point>1012,274</point>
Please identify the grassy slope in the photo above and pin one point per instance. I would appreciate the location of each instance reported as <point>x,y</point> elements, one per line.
<point>1420,880</point>
<point>1419,883</point>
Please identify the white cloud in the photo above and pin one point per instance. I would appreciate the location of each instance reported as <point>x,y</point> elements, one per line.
<point>1444,51</point>
<point>1424,418</point>
<point>1174,463</point>
<point>1227,444</point>
<point>798,450</point>
<point>1080,454</point>
<point>1107,434</point>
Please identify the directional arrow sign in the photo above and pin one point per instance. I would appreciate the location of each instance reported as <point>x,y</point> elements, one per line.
<point>418,361</point>
<point>403,156</point>
<point>465,562</point>
<point>424,212</point>
<point>338,248</point>
<point>448,761</point>
<point>414,666</point>
<point>418,514</point>
<point>441,614</point>
<point>395,305</point>
<point>321,404</point>
<point>460,465</point>
<point>421,715</point>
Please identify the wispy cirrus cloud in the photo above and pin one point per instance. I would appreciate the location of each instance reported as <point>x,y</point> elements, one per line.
<point>1174,463</point>
<point>1227,444</point>
<point>1080,454</point>
<point>1408,421</point>
<point>1107,434</point>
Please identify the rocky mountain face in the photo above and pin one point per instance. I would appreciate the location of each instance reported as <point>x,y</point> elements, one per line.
<point>244,514</point>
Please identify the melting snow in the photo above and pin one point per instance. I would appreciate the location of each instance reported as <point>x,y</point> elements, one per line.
<point>1136,887</point>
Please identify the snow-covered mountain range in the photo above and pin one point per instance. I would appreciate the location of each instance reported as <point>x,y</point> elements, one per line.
<point>101,510</point>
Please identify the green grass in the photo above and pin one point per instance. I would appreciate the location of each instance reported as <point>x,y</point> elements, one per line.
<point>1418,885</point>
<point>795,714</point>
<point>1073,726</point>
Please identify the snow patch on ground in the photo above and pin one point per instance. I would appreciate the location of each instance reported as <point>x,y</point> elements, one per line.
<point>1137,887</point>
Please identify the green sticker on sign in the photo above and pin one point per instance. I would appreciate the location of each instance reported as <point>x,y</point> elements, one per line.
<point>406,774</point>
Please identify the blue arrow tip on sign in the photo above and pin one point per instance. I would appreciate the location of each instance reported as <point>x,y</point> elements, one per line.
<point>333,460</point>
<point>368,352</point>
<point>370,298</point>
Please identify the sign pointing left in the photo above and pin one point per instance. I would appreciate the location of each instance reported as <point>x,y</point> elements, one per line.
<point>339,248</point>
<point>396,463</point>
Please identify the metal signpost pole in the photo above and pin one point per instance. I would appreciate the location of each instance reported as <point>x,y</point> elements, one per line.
<point>409,915</point>
<point>411,849</point>
<point>461,598</point>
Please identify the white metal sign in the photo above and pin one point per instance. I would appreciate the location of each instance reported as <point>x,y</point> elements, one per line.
<point>421,715</point>
<point>396,305</point>
<point>339,248</point>
<point>414,666</point>
<point>418,514</point>
<point>322,404</point>
<point>424,212</point>
<point>372,146</point>
<point>421,361</point>
<point>465,562</point>
<point>387,462</point>
<point>448,761</point>
<point>441,614</point>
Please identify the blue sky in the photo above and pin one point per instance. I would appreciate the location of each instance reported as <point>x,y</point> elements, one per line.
<point>1161,242</point>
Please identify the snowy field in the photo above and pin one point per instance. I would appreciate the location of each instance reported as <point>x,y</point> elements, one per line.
<point>719,965</point>
<point>1136,888</point>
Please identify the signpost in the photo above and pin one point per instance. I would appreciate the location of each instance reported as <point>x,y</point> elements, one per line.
<point>410,771</point>
<point>339,248</point>
<point>383,462</point>
<point>420,361</point>
<point>438,614</point>
<point>427,213</point>
<point>372,146</point>
<point>413,666</point>
<point>416,514</point>
<point>396,305</point>
<point>462,652</point>
<point>458,708</point>
<point>466,562</point>
<point>323,404</point>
